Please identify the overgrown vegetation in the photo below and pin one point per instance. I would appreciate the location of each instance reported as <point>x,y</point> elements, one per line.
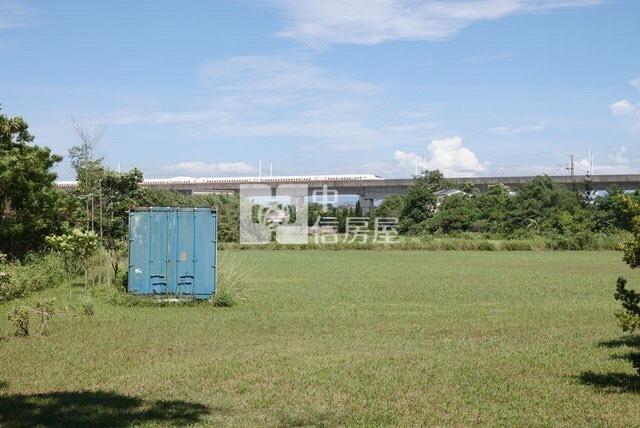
<point>34,273</point>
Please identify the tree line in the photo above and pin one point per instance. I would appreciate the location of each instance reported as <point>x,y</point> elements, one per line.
<point>570,217</point>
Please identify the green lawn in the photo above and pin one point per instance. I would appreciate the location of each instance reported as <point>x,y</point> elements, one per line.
<point>326,338</point>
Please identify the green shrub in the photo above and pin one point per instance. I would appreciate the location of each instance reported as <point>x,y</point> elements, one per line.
<point>86,302</point>
<point>517,246</point>
<point>40,272</point>
<point>223,298</point>
<point>486,246</point>
<point>6,286</point>
<point>582,240</point>
<point>75,249</point>
<point>37,273</point>
<point>628,322</point>
<point>20,318</point>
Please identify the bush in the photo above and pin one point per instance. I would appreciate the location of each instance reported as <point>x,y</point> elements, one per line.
<point>86,302</point>
<point>75,250</point>
<point>518,245</point>
<point>35,274</point>
<point>223,298</point>
<point>6,287</point>
<point>20,318</point>
<point>582,240</point>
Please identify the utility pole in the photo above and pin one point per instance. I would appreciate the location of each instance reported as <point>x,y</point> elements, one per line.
<point>590,164</point>
<point>571,168</point>
<point>260,168</point>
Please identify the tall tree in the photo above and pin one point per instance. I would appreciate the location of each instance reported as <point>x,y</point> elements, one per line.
<point>89,169</point>
<point>420,201</point>
<point>29,201</point>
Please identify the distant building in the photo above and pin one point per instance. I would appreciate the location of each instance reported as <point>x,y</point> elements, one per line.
<point>443,194</point>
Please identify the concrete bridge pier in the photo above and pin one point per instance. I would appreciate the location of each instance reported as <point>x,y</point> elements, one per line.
<point>366,204</point>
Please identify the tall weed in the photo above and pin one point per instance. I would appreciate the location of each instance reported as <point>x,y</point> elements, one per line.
<point>232,270</point>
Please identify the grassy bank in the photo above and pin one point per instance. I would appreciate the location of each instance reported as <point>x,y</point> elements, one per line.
<point>345,338</point>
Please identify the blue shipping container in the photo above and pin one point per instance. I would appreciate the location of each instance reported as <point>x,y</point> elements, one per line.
<point>172,251</point>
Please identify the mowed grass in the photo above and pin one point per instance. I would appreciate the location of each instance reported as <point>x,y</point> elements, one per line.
<point>346,338</point>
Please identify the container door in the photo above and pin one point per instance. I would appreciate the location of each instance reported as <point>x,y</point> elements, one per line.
<point>172,251</point>
<point>158,252</point>
<point>138,252</point>
<point>185,252</point>
<point>204,260</point>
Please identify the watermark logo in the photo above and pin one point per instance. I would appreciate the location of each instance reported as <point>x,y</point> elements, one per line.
<point>265,216</point>
<point>281,214</point>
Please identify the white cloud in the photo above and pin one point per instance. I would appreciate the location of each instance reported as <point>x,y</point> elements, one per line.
<point>628,110</point>
<point>447,155</point>
<point>506,130</point>
<point>369,22</point>
<point>199,167</point>
<point>283,97</point>
<point>622,107</point>
<point>256,73</point>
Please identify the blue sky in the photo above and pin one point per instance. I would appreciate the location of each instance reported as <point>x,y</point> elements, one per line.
<point>202,88</point>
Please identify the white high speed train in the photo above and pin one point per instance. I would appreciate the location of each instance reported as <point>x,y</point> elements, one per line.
<point>246,180</point>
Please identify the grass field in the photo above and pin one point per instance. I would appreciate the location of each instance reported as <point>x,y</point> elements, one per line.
<point>329,338</point>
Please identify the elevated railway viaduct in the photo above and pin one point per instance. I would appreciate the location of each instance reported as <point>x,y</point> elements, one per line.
<point>370,187</point>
